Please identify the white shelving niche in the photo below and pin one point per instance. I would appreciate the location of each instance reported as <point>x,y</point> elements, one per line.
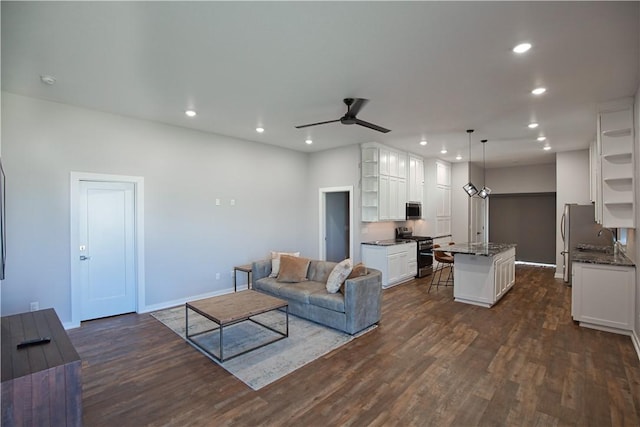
<point>616,135</point>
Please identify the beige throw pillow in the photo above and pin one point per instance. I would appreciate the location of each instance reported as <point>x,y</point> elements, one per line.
<point>293,269</point>
<point>338,275</point>
<point>275,261</point>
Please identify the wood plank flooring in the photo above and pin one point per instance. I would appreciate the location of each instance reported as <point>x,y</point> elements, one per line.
<point>431,361</point>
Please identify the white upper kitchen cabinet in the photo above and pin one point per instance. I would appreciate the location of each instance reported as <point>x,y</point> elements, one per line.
<point>383,183</point>
<point>416,179</point>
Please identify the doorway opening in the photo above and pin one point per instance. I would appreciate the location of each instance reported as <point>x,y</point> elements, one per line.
<point>336,223</point>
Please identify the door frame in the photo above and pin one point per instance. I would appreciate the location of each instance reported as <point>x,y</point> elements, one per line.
<point>322,229</point>
<point>138,206</point>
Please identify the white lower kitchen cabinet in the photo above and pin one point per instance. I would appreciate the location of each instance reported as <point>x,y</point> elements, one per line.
<point>603,296</point>
<point>397,263</point>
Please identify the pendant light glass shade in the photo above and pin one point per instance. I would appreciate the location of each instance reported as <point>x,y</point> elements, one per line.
<point>470,189</point>
<point>484,193</point>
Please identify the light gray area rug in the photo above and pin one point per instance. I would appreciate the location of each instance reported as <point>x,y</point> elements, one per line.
<point>306,342</point>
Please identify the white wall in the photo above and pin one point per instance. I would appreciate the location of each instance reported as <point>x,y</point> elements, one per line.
<point>188,238</point>
<point>572,186</point>
<point>522,179</point>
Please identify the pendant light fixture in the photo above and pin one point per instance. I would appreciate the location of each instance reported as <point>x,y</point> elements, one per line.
<point>469,188</point>
<point>484,193</point>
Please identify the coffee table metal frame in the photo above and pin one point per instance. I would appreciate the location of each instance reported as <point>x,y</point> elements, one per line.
<point>222,324</point>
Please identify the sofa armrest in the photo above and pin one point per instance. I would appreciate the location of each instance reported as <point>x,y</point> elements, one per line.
<point>259,270</point>
<point>363,300</point>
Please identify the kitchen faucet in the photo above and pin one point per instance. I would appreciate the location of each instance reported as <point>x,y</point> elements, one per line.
<point>614,240</point>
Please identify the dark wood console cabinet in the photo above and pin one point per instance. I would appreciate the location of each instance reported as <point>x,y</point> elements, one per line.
<point>41,384</point>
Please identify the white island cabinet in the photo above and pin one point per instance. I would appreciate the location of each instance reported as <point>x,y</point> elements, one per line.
<point>483,272</point>
<point>603,295</point>
<point>396,261</point>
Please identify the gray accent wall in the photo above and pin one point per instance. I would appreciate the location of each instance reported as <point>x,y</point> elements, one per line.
<point>188,239</point>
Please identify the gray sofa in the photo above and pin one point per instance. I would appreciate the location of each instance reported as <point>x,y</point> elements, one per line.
<point>351,312</point>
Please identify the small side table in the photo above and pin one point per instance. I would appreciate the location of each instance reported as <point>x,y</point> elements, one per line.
<point>247,268</point>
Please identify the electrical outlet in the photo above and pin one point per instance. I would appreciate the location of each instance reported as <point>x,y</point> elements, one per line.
<point>217,276</point>
<point>34,306</point>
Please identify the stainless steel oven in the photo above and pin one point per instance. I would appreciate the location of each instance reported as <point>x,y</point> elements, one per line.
<point>425,250</point>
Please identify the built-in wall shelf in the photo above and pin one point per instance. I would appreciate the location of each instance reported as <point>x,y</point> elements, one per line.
<point>615,140</point>
<point>617,133</point>
<point>619,158</point>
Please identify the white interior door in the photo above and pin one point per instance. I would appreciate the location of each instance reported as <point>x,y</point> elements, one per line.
<point>107,249</point>
<point>478,231</point>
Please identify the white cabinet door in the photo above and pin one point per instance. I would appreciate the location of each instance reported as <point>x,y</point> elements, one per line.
<point>603,295</point>
<point>384,191</point>
<point>401,202</point>
<point>393,163</point>
<point>443,201</point>
<point>384,161</point>
<point>393,198</point>
<point>402,165</point>
<point>443,174</point>
<point>394,263</point>
<point>415,181</point>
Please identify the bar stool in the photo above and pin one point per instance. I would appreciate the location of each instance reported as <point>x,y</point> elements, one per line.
<point>443,260</point>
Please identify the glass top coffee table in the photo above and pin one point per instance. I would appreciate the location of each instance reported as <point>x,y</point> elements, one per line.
<point>231,309</point>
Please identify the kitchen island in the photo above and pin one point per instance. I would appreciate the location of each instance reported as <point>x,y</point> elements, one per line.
<point>483,272</point>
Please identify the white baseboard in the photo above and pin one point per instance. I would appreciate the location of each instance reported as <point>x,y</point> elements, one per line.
<point>168,304</point>
<point>636,343</point>
<point>182,301</point>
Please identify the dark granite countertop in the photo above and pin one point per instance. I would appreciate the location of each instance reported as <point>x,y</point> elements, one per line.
<point>389,242</point>
<point>601,257</point>
<point>483,249</point>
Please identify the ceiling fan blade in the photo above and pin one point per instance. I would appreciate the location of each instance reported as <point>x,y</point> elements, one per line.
<point>371,126</point>
<point>356,106</point>
<point>316,124</point>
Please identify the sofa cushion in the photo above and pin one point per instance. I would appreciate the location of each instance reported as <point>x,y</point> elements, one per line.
<point>269,285</point>
<point>338,275</point>
<point>319,270</point>
<point>324,299</point>
<point>293,269</point>
<point>300,291</point>
<point>275,261</point>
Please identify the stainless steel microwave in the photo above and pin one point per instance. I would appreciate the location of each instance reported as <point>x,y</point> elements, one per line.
<point>414,210</point>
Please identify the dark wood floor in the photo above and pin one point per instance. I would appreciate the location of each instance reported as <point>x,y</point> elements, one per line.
<point>431,361</point>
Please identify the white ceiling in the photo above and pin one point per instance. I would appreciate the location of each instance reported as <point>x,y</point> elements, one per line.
<point>430,69</point>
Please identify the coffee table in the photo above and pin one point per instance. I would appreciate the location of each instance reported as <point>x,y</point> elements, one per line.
<point>230,309</point>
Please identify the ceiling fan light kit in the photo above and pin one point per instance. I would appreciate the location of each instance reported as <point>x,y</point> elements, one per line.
<point>354,105</point>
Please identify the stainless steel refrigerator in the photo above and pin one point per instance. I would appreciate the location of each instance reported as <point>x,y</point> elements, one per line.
<point>577,226</point>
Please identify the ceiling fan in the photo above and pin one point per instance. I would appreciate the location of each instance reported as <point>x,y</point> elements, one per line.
<point>353,107</point>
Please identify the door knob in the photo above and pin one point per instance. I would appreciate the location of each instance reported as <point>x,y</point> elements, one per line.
<point>84,258</point>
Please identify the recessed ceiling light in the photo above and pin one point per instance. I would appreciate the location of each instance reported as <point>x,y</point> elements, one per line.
<point>533,125</point>
<point>190,113</point>
<point>458,157</point>
<point>423,142</point>
<point>522,48</point>
<point>46,79</point>
<point>308,141</point>
<point>539,90</point>
<point>542,138</point>
<point>546,148</point>
<point>259,130</point>
<point>443,151</point>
